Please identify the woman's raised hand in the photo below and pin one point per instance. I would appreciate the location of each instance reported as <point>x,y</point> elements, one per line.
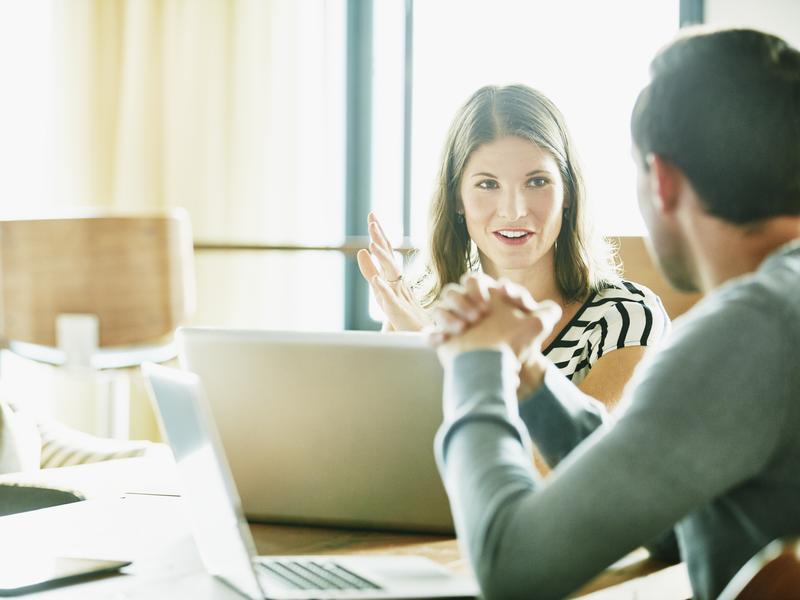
<point>385,277</point>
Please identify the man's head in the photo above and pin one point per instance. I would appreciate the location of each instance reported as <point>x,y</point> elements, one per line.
<point>723,108</point>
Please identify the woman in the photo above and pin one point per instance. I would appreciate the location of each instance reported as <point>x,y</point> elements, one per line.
<point>510,201</point>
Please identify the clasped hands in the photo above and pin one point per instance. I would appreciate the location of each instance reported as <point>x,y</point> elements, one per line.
<point>482,313</point>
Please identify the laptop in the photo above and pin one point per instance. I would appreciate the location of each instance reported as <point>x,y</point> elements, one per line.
<point>347,420</point>
<point>223,536</point>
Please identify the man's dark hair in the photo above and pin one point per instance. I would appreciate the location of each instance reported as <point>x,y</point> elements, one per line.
<point>724,107</point>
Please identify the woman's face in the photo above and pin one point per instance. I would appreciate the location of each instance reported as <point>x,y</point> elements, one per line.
<point>512,196</point>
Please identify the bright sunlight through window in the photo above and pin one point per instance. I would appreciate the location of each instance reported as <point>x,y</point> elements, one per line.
<point>589,57</point>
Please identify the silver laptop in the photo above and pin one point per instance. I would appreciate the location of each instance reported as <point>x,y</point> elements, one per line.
<point>346,419</point>
<point>223,536</point>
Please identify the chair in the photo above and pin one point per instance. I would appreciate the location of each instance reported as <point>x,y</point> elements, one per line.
<point>134,273</point>
<point>772,574</point>
<point>94,293</point>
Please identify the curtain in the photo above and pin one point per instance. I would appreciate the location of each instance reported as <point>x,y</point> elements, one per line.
<point>163,103</point>
<point>232,109</point>
<point>218,106</point>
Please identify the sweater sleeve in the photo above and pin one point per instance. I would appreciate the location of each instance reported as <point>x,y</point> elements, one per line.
<point>558,416</point>
<point>622,486</point>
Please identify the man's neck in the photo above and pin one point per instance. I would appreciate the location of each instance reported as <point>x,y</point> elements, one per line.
<point>724,250</point>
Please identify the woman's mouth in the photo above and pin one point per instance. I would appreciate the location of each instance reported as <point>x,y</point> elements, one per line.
<point>513,237</point>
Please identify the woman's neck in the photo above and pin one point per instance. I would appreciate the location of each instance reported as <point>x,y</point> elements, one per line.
<point>539,279</point>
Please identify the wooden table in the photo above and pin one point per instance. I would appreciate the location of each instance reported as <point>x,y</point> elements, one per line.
<point>635,576</point>
<point>134,512</point>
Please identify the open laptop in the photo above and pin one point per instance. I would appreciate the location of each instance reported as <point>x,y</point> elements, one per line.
<point>223,536</point>
<point>346,420</point>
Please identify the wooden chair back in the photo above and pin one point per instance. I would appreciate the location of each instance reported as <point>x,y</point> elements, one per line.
<point>134,272</point>
<point>772,574</point>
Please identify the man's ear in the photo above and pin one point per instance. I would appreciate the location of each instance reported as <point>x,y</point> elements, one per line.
<point>666,181</point>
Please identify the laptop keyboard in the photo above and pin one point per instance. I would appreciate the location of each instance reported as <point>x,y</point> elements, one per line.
<point>313,575</point>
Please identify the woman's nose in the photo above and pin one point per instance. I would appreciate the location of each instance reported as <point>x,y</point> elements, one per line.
<point>513,205</point>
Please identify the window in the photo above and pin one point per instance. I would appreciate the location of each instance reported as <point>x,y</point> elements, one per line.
<point>589,57</point>
<point>26,107</point>
<point>252,133</point>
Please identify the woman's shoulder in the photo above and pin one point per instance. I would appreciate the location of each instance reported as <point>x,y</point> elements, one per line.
<point>624,291</point>
<point>617,315</point>
<point>631,310</point>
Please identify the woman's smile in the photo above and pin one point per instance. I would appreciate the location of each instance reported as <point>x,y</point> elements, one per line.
<point>513,236</point>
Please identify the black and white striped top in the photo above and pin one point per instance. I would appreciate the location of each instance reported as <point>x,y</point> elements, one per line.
<point>621,315</point>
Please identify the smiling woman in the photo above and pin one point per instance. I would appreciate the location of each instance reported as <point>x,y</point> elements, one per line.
<point>510,202</point>
<point>511,144</point>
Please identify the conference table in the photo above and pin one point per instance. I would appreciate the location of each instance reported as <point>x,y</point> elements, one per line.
<point>134,512</point>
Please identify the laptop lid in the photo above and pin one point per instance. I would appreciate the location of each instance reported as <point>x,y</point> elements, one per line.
<point>223,536</point>
<point>221,533</point>
<point>347,419</point>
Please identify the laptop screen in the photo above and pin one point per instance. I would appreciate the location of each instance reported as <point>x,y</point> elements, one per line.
<point>352,413</point>
<point>220,530</point>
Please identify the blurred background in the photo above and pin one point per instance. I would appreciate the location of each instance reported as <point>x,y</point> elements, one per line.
<point>278,124</point>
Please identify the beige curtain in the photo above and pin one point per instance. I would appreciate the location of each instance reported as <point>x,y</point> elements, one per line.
<point>232,109</point>
<point>166,103</point>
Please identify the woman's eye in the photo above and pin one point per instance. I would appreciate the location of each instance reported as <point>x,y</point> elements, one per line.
<point>488,184</point>
<point>538,181</point>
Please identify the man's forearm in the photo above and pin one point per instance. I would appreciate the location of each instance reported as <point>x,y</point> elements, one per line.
<point>559,416</point>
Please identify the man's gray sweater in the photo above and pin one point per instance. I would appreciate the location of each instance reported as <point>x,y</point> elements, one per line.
<point>708,442</point>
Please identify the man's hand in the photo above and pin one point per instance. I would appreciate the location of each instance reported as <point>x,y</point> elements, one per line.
<point>481,313</point>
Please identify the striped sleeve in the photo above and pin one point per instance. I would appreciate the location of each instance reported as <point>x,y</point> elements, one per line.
<point>618,316</point>
<point>633,316</point>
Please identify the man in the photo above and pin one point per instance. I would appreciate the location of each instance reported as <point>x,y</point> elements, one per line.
<point>708,441</point>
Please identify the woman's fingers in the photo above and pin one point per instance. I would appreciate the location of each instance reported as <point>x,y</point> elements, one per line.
<point>391,272</point>
<point>382,250</point>
<point>386,297</point>
<point>376,261</point>
<point>377,234</point>
<point>366,265</point>
<point>400,313</point>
